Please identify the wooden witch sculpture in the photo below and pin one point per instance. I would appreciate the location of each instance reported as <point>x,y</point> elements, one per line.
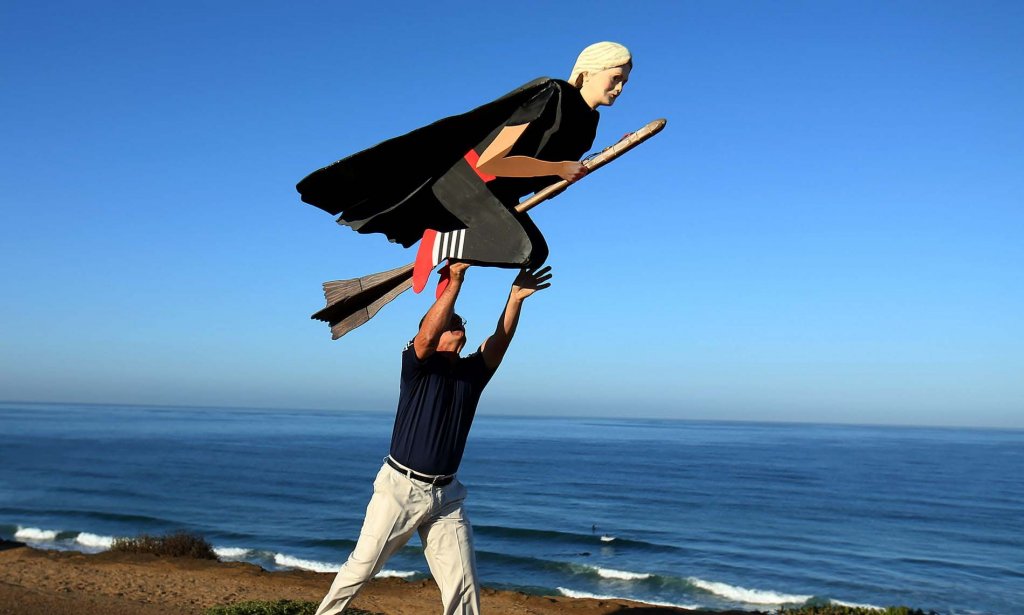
<point>460,195</point>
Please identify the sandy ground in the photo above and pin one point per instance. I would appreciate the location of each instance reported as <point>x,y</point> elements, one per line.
<point>34,582</point>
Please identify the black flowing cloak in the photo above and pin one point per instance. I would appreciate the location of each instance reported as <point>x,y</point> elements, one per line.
<point>421,180</point>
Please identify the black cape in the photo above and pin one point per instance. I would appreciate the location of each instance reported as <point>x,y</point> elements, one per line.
<point>421,180</point>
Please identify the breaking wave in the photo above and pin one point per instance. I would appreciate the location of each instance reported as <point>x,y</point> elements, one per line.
<point>232,553</point>
<point>622,575</point>
<point>857,605</point>
<point>94,541</point>
<point>572,593</point>
<point>34,534</point>
<point>287,561</point>
<point>749,596</point>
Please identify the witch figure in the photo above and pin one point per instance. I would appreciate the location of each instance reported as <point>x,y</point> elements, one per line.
<point>453,185</point>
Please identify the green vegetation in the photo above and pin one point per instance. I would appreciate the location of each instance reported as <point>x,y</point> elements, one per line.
<point>280,607</point>
<point>179,544</point>
<point>834,609</point>
<point>265,607</point>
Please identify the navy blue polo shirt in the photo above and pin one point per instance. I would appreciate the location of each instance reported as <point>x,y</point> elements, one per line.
<point>436,407</point>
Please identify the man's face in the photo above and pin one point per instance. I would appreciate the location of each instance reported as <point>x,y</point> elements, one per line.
<point>454,338</point>
<point>605,86</point>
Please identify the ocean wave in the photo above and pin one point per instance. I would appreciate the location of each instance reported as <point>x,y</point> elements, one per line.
<point>621,575</point>
<point>35,534</point>
<point>236,553</point>
<point>94,541</point>
<point>287,561</point>
<point>572,593</point>
<point>402,574</point>
<point>347,546</point>
<point>548,537</point>
<point>856,605</point>
<point>522,561</point>
<point>142,522</point>
<point>578,569</point>
<point>749,596</point>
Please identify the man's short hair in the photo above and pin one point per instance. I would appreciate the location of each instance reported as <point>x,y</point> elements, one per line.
<point>454,316</point>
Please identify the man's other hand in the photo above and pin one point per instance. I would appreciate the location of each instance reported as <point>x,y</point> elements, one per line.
<point>529,281</point>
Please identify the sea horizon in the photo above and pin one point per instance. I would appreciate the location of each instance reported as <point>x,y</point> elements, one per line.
<point>484,412</point>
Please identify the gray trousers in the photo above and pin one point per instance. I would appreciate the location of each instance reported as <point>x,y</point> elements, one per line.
<point>399,507</point>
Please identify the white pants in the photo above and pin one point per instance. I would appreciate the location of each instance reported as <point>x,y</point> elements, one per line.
<point>400,506</point>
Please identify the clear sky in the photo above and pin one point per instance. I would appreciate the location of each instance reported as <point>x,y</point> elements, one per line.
<point>830,228</point>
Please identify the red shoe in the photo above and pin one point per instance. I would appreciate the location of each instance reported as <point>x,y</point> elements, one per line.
<point>424,261</point>
<point>446,276</point>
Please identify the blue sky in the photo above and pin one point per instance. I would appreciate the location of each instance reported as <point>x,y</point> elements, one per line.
<point>831,227</point>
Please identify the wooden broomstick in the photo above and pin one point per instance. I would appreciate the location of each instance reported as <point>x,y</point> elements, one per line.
<point>350,303</point>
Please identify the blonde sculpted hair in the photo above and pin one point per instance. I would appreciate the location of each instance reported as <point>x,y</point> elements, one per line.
<point>598,57</point>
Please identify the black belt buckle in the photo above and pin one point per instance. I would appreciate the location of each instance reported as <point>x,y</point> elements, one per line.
<point>435,481</point>
<point>439,481</point>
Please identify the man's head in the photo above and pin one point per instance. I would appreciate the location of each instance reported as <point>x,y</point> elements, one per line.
<point>453,338</point>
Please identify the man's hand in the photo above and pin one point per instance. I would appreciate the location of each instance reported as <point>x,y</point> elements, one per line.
<point>457,270</point>
<point>530,281</point>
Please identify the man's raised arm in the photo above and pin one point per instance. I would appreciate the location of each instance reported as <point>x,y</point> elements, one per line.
<point>526,283</point>
<point>438,317</point>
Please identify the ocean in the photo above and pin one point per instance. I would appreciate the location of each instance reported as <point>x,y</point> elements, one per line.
<point>697,514</point>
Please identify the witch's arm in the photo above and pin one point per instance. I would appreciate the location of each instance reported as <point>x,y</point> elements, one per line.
<point>496,161</point>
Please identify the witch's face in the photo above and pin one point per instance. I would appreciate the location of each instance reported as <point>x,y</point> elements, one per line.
<point>604,87</point>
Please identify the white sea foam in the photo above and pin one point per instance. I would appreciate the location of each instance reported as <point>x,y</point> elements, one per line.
<point>607,538</point>
<point>749,596</point>
<point>34,534</point>
<point>232,552</point>
<point>94,541</point>
<point>402,574</point>
<point>857,605</point>
<point>304,564</point>
<point>572,593</point>
<point>622,575</point>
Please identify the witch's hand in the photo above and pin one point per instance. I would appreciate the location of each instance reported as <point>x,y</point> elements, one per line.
<point>571,170</point>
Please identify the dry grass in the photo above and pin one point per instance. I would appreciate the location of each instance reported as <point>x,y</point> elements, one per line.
<point>179,544</point>
<point>279,607</point>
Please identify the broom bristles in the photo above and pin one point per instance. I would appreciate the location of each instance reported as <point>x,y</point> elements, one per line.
<point>351,303</point>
